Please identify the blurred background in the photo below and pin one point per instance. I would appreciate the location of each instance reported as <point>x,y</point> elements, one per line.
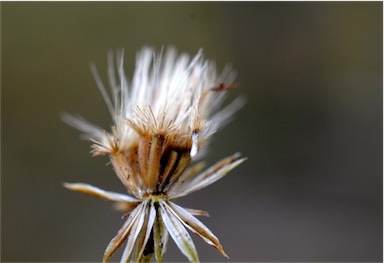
<point>311,72</point>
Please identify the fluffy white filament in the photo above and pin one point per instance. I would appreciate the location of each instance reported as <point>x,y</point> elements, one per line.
<point>168,94</point>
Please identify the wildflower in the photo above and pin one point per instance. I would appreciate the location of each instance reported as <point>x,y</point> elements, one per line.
<point>163,121</point>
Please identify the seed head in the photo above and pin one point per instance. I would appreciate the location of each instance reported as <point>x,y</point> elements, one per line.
<point>162,122</point>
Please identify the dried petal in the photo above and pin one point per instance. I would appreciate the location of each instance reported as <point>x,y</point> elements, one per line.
<point>197,212</point>
<point>189,173</point>
<point>150,219</point>
<point>178,233</point>
<point>116,242</point>
<point>182,188</point>
<point>94,191</point>
<point>197,227</point>
<point>134,233</point>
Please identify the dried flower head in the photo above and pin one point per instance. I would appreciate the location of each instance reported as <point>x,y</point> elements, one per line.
<point>163,120</point>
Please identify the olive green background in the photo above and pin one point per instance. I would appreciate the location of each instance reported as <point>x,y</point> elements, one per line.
<point>311,72</point>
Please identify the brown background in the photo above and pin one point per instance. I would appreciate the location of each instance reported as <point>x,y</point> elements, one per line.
<point>312,128</point>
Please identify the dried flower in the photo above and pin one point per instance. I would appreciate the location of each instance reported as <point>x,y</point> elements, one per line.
<point>163,120</point>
